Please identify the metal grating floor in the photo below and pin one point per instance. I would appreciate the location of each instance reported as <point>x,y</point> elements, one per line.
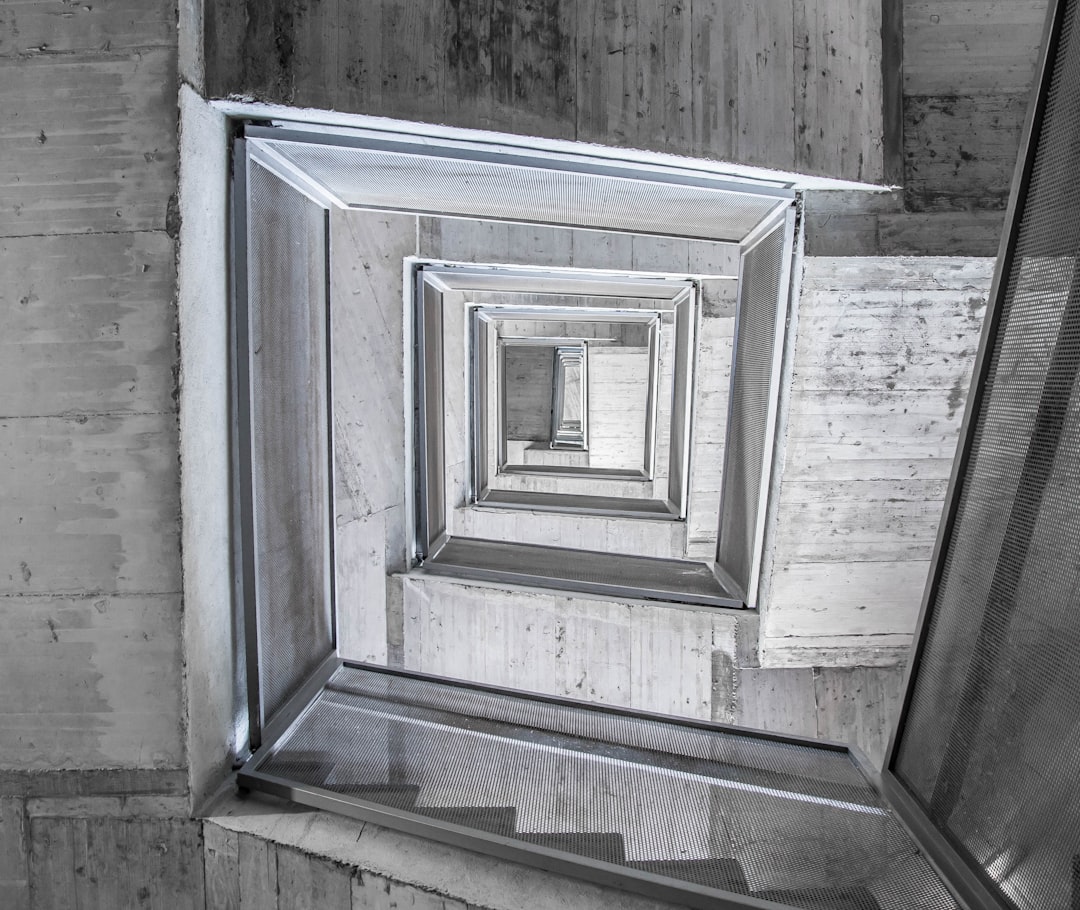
<point>713,812</point>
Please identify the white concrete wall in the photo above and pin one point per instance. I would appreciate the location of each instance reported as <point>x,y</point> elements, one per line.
<point>883,360</point>
<point>91,671</point>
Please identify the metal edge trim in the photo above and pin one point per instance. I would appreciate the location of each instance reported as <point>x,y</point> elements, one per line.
<point>240,378</point>
<point>294,707</point>
<point>663,292</point>
<point>649,464</point>
<point>681,421</point>
<point>963,881</point>
<point>766,226</point>
<point>329,496</point>
<point>267,157</point>
<point>571,504</point>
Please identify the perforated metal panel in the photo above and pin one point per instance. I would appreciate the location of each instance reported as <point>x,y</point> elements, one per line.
<point>751,414</point>
<point>289,460</point>
<point>438,184</point>
<point>795,824</point>
<point>990,745</point>
<point>676,580</point>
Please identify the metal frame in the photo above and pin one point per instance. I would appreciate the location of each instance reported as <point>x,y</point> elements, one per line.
<point>577,160</point>
<point>331,479</point>
<point>598,872</point>
<point>782,300</point>
<point>521,160</point>
<point>438,285</point>
<point>785,221</point>
<point>241,370</point>
<point>570,433</point>
<point>577,584</point>
<point>268,157</point>
<point>240,398</point>
<point>970,880</point>
<point>480,396</point>
<point>647,470</point>
<point>432,527</point>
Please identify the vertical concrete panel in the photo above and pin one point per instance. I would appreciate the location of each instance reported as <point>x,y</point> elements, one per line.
<point>367,311</point>
<point>859,705</point>
<point>311,883</point>
<point>106,863</point>
<point>214,658</point>
<point>257,859</point>
<point>221,867</point>
<point>360,554</point>
<point>53,26</point>
<point>881,368</point>
<point>838,93</point>
<point>86,324</point>
<point>112,696</point>
<point>14,855</point>
<point>91,142</point>
<point>781,700</point>
<point>368,376</point>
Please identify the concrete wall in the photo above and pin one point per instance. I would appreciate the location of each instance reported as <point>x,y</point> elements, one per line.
<point>792,84</point>
<point>959,107</point>
<point>882,360</point>
<point>89,564</point>
<point>928,95</point>
<point>92,727</point>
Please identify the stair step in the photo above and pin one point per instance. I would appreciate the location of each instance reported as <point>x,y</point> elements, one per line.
<point>608,847</point>
<point>500,820</point>
<point>858,898</point>
<point>726,874</point>
<point>395,796</point>
<point>306,766</point>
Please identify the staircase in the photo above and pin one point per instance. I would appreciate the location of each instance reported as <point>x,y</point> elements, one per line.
<point>686,812</point>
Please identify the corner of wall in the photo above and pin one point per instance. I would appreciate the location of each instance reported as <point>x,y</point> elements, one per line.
<point>212,662</point>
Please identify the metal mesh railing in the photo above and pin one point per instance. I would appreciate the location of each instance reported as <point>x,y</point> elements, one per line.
<point>541,192</point>
<point>286,359</point>
<point>751,391</point>
<point>989,747</point>
<point>795,824</point>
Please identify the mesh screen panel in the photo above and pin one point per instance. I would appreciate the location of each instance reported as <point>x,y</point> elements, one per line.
<point>991,743</point>
<point>791,823</point>
<point>744,459</point>
<point>289,460</point>
<point>481,189</point>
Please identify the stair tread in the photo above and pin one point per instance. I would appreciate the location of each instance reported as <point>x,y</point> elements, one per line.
<point>603,845</point>
<point>397,796</point>
<point>719,872</point>
<point>500,820</point>
<point>857,898</point>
